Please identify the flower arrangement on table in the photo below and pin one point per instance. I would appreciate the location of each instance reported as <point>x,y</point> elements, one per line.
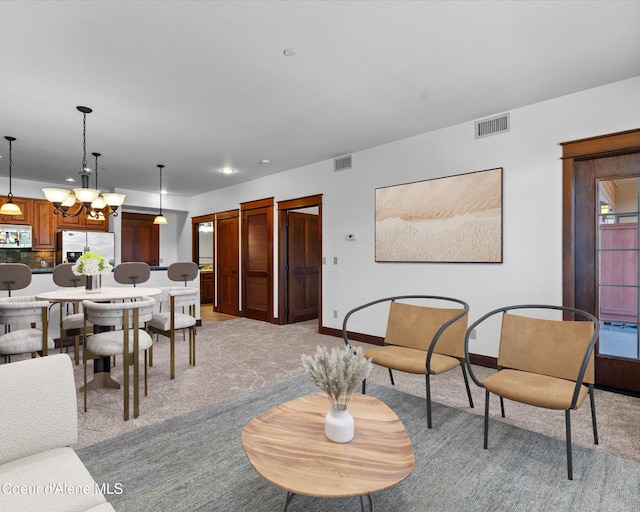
<point>91,264</point>
<point>338,372</point>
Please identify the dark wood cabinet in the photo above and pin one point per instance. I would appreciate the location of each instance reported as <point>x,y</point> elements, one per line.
<point>207,287</point>
<point>44,226</point>
<point>81,222</point>
<point>25,205</point>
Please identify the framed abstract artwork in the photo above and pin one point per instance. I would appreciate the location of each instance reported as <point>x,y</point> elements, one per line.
<point>455,219</point>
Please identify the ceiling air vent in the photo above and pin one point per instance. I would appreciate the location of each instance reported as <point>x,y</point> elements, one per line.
<point>492,126</point>
<point>341,164</point>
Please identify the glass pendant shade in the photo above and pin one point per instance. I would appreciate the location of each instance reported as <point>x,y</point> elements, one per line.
<point>113,199</point>
<point>160,219</point>
<point>56,195</point>
<point>70,200</point>
<point>99,203</point>
<point>86,195</point>
<point>10,208</point>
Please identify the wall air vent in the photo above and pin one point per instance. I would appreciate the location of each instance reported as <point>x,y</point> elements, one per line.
<point>341,164</point>
<point>492,126</point>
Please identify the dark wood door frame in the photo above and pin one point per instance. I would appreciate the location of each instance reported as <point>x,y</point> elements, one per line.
<point>610,371</point>
<point>283,206</point>
<point>195,252</point>
<point>195,239</point>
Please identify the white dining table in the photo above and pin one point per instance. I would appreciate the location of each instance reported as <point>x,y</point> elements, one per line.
<point>102,366</point>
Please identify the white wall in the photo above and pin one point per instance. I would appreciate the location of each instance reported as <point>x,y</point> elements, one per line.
<point>532,207</point>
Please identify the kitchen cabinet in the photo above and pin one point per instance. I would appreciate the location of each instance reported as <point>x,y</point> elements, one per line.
<point>25,205</point>
<point>207,286</point>
<point>81,222</point>
<point>44,226</point>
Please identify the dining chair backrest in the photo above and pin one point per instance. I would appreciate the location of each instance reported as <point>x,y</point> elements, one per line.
<point>112,313</point>
<point>64,276</point>
<point>182,271</point>
<point>22,310</point>
<point>132,272</point>
<point>14,276</point>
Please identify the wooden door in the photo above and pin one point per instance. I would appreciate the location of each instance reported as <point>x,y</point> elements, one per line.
<point>140,239</point>
<point>257,259</point>
<point>586,164</point>
<point>302,267</point>
<point>227,259</point>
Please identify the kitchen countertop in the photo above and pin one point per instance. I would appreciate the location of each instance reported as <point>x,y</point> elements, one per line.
<point>50,270</point>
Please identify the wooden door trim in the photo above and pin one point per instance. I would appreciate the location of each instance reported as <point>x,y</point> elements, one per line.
<point>283,206</point>
<point>195,241</point>
<point>573,151</point>
<point>258,203</point>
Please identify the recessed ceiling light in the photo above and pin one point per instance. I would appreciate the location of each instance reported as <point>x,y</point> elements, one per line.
<point>164,192</point>
<point>289,52</point>
<point>265,162</point>
<point>70,180</point>
<point>227,170</point>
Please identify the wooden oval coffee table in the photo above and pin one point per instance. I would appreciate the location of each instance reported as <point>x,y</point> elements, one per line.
<point>287,446</point>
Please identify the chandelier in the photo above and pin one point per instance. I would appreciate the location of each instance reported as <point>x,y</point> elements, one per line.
<point>90,200</point>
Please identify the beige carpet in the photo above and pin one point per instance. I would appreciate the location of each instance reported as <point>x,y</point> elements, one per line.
<point>241,355</point>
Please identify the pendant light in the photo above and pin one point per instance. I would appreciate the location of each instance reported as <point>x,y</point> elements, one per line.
<point>99,204</point>
<point>10,208</point>
<point>63,199</point>
<point>160,219</point>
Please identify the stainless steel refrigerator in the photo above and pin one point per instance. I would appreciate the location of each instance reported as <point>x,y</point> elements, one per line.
<point>70,245</point>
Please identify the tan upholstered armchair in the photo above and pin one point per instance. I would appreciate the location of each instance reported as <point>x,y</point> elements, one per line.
<point>541,362</point>
<point>420,338</point>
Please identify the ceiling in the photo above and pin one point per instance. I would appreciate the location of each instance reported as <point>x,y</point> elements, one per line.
<point>197,86</point>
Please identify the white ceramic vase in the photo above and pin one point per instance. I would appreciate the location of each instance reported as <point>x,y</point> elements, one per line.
<point>93,283</point>
<point>338,424</point>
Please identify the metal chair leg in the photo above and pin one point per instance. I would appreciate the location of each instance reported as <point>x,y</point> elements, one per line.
<point>593,415</point>
<point>486,419</point>
<point>391,377</point>
<point>567,416</point>
<point>364,387</point>
<point>502,407</point>
<point>428,392</point>
<point>466,383</point>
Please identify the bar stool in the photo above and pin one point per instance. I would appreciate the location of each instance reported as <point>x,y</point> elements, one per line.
<point>14,276</point>
<point>182,271</point>
<point>71,324</point>
<point>132,272</point>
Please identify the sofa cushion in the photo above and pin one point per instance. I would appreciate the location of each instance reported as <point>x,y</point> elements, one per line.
<point>53,480</point>
<point>38,406</point>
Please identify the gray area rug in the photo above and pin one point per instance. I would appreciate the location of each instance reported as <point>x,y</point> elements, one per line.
<point>196,462</point>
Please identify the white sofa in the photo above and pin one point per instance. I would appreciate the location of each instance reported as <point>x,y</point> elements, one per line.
<point>39,471</point>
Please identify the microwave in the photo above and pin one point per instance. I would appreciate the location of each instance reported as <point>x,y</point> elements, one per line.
<point>15,236</point>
